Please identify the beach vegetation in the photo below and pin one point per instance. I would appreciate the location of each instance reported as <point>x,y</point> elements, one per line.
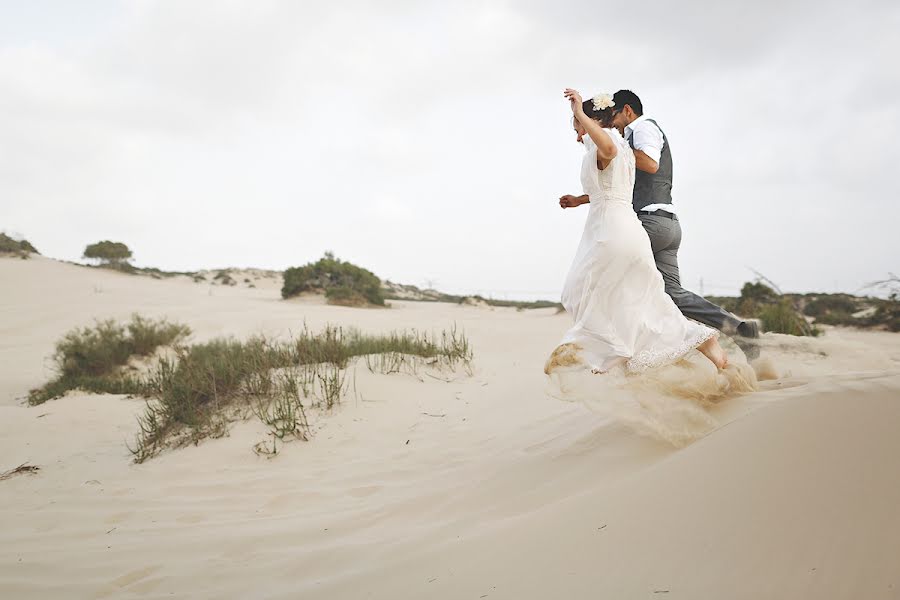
<point>194,392</point>
<point>107,252</point>
<point>91,358</point>
<point>197,392</point>
<point>342,282</point>
<point>18,247</point>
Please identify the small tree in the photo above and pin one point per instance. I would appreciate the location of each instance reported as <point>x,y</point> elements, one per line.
<point>108,252</point>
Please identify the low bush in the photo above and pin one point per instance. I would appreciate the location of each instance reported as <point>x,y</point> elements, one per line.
<point>341,282</point>
<point>89,358</point>
<point>22,248</point>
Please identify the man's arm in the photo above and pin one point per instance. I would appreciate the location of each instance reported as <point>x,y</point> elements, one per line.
<point>644,162</point>
<point>648,145</point>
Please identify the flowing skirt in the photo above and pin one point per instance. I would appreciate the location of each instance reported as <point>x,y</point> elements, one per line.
<point>617,299</point>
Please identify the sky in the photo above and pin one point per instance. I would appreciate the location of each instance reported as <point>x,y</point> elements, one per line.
<point>429,141</point>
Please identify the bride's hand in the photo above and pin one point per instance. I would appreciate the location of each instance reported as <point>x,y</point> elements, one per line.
<point>574,100</point>
<point>569,201</point>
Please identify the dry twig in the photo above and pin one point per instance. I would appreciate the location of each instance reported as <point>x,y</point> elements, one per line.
<point>23,468</point>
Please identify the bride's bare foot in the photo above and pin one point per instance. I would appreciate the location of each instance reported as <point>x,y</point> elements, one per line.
<point>714,352</point>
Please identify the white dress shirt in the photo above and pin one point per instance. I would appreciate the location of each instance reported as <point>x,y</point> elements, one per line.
<point>648,139</point>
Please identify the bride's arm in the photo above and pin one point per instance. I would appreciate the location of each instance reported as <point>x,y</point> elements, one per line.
<point>570,201</point>
<point>606,148</point>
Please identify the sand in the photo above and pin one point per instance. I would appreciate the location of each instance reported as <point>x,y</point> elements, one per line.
<point>483,486</point>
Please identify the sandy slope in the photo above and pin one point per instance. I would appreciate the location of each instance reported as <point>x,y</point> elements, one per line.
<point>506,493</point>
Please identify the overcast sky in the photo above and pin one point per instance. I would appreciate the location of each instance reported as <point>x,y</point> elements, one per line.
<point>429,142</point>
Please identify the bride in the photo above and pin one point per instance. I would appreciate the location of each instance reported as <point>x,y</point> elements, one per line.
<point>615,294</point>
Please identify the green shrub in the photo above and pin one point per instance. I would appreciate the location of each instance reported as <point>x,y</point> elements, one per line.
<point>838,318</point>
<point>344,281</point>
<point>344,295</point>
<point>782,317</point>
<point>778,313</point>
<point>146,336</point>
<point>224,277</point>
<point>19,247</point>
<point>758,292</point>
<point>888,313</point>
<point>93,351</point>
<point>124,267</point>
<point>108,252</point>
<point>88,358</point>
<point>94,384</point>
<point>827,304</point>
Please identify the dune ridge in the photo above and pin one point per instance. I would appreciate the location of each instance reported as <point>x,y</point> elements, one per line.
<point>478,487</point>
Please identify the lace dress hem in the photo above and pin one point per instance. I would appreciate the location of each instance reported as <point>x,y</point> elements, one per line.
<point>648,359</point>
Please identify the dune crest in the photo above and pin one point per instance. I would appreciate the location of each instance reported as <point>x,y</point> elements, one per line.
<point>682,483</point>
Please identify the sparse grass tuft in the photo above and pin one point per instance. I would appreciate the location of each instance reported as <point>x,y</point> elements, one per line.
<point>198,390</point>
<point>194,391</point>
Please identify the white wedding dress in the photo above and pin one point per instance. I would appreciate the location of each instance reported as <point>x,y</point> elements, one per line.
<point>622,314</point>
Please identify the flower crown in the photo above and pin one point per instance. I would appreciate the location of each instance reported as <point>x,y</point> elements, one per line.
<point>602,101</point>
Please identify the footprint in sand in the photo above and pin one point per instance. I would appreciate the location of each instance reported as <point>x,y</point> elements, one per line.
<point>190,519</point>
<point>118,518</point>
<point>362,492</point>
<point>128,579</point>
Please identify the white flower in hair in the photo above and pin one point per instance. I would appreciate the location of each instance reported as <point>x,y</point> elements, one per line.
<point>602,101</point>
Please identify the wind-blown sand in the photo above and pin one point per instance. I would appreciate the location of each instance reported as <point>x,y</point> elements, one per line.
<point>481,487</point>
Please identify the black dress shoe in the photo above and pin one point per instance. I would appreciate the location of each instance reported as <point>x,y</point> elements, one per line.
<point>748,329</point>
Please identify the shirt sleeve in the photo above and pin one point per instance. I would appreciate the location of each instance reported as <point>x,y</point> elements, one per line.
<point>648,139</point>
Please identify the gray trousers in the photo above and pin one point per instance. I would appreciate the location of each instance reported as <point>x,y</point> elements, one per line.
<point>665,239</point>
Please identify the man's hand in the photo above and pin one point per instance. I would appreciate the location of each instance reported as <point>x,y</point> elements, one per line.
<point>570,201</point>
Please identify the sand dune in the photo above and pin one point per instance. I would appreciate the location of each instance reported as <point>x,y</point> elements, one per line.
<point>480,487</point>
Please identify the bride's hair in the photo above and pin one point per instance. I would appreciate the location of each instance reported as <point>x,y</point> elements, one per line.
<point>605,116</point>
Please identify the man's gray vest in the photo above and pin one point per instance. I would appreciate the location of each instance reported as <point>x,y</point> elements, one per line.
<point>653,188</point>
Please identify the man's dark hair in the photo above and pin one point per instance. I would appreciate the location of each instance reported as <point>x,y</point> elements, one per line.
<point>623,97</point>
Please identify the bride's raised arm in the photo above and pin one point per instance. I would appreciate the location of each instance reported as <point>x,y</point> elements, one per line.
<point>606,148</point>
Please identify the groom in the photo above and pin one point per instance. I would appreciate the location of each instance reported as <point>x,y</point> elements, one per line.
<point>653,203</point>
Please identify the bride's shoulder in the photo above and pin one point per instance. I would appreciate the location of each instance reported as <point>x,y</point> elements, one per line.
<point>616,136</point>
